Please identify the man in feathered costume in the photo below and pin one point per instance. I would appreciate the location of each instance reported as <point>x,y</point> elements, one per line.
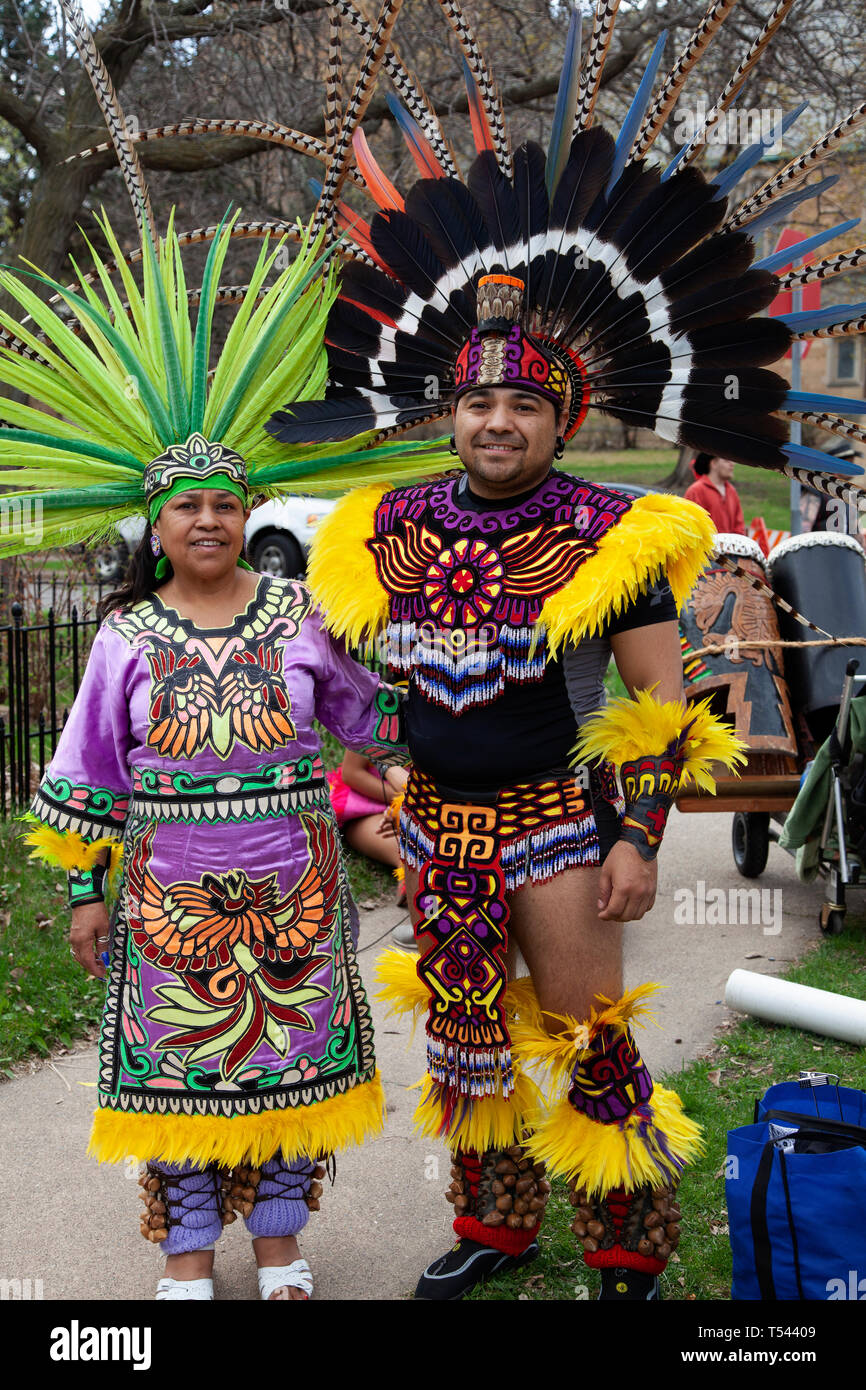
<point>538,289</point>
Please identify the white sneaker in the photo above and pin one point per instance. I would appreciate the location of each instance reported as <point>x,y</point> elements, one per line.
<point>404,936</point>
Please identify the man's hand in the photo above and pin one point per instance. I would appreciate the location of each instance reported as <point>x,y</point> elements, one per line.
<point>88,937</point>
<point>628,885</point>
<point>386,827</point>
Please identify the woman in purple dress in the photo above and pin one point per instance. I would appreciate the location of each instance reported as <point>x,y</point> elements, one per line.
<point>236,1049</point>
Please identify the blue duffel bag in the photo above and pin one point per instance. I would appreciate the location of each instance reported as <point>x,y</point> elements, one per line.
<point>795,1182</point>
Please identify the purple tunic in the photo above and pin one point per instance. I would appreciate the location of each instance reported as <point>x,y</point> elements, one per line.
<point>233,986</point>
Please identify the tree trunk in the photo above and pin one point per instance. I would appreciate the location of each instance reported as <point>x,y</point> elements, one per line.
<point>682,475</point>
<point>49,224</point>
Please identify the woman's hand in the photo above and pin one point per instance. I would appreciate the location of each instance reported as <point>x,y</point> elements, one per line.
<point>88,937</point>
<point>628,885</point>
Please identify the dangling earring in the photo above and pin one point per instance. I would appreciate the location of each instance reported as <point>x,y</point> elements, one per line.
<point>452,445</point>
<point>161,563</point>
<point>560,447</point>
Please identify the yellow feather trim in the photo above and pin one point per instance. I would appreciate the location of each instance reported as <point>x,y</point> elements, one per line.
<point>400,988</point>
<point>659,534</point>
<point>342,572</point>
<point>557,1052</point>
<point>600,1157</point>
<point>624,729</point>
<point>309,1130</point>
<point>489,1123</point>
<point>66,849</point>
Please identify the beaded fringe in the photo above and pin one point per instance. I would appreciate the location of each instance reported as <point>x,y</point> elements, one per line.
<point>539,854</point>
<point>474,677</point>
<point>473,1072</point>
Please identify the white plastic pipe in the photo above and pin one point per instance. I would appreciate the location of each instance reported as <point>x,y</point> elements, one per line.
<point>798,1006</point>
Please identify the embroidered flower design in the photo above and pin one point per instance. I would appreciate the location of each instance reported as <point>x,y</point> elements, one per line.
<point>242,951</point>
<point>464,582</point>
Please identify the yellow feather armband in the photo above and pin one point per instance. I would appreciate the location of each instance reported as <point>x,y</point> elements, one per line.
<point>65,848</point>
<point>625,730</point>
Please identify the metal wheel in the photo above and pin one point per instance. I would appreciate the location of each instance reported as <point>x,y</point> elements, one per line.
<point>831,920</point>
<point>279,555</point>
<point>108,562</point>
<point>750,841</point>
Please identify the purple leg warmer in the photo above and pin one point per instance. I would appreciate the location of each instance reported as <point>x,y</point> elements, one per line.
<point>280,1207</point>
<point>193,1201</point>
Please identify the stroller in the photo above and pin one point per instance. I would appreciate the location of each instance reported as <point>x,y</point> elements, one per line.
<point>786,707</point>
<point>826,826</point>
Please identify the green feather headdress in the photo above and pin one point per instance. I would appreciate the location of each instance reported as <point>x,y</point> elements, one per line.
<point>123,375</point>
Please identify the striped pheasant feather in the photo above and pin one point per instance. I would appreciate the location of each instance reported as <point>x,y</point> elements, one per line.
<point>797,169</point>
<point>736,81</point>
<point>822,420</point>
<point>333,79</point>
<point>490,99</point>
<point>823,270</point>
<point>271,131</point>
<point>846,328</point>
<point>725,562</point>
<point>673,84</point>
<point>843,491</point>
<point>355,107</point>
<point>602,32</point>
<point>406,84</point>
<point>103,86</point>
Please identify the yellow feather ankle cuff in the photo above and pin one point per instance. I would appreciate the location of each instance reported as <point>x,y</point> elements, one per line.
<point>650,1149</point>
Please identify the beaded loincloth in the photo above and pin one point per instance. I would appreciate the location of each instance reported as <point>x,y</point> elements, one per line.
<point>471,855</point>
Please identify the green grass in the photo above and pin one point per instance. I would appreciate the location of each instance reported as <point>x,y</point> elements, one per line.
<point>762,493</point>
<point>718,1092</point>
<point>45,997</point>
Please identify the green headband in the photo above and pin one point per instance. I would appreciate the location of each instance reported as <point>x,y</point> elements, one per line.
<point>220,482</point>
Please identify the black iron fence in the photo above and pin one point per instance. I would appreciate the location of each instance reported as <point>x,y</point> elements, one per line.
<point>46,652</point>
<point>44,663</point>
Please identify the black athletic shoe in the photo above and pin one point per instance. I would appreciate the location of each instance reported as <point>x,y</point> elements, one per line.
<point>628,1285</point>
<point>467,1264</point>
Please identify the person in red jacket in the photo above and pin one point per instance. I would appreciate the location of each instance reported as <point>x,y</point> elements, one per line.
<point>713,489</point>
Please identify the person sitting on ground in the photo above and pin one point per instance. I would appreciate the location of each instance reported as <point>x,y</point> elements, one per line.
<point>713,489</point>
<point>361,801</point>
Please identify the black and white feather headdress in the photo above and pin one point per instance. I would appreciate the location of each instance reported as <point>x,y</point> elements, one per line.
<point>645,274</point>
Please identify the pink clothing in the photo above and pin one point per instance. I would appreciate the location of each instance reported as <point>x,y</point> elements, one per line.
<point>347,803</point>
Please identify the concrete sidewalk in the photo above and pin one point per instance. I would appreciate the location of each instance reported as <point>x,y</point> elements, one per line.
<point>73,1224</point>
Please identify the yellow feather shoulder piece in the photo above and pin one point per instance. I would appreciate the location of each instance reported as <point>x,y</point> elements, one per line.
<point>342,572</point>
<point>658,535</point>
<point>626,729</point>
